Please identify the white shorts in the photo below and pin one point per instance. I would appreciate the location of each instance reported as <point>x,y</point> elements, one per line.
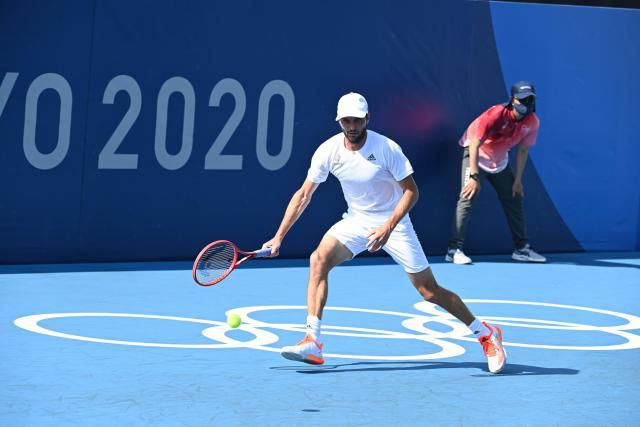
<point>403,244</point>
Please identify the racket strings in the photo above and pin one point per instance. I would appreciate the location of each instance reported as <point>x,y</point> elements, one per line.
<point>215,262</point>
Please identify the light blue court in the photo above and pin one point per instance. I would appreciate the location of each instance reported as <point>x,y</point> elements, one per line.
<point>142,344</point>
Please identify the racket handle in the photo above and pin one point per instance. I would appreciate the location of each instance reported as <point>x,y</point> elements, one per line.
<point>261,253</point>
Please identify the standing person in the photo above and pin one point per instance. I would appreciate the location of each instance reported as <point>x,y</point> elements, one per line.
<point>378,186</point>
<point>486,144</point>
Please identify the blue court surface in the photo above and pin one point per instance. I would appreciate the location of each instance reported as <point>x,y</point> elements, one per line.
<point>142,344</point>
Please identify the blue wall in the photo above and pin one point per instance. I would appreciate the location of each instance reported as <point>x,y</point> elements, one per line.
<point>142,130</point>
<point>585,62</point>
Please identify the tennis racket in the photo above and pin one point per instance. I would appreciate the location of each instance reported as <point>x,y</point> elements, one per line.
<point>218,259</point>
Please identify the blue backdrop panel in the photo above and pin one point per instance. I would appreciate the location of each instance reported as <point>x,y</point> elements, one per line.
<point>244,199</point>
<point>44,77</point>
<point>585,64</point>
<point>194,122</point>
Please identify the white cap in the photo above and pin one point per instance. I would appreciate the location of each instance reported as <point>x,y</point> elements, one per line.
<point>352,105</point>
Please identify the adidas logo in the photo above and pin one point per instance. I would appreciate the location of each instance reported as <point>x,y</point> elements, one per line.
<point>371,157</point>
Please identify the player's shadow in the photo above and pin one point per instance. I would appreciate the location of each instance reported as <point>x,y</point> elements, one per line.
<point>509,370</point>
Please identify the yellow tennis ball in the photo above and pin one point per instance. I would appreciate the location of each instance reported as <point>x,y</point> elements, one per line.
<point>234,320</point>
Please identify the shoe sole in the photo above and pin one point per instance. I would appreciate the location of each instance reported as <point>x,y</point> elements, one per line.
<point>504,351</point>
<point>503,365</point>
<point>449,259</point>
<point>525,259</point>
<point>312,360</point>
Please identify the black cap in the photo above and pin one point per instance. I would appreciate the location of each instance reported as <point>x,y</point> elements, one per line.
<point>522,89</point>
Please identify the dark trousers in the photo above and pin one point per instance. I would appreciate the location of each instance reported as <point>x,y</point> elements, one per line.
<point>502,182</point>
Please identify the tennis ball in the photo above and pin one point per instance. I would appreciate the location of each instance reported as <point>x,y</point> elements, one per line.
<point>234,320</point>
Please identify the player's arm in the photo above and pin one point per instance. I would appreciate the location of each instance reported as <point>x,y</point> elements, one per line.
<point>298,203</point>
<point>521,162</point>
<point>378,237</point>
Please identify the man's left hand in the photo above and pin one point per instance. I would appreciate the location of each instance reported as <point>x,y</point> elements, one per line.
<point>378,238</point>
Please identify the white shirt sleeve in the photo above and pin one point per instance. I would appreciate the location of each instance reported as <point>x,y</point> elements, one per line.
<point>398,164</point>
<point>319,169</point>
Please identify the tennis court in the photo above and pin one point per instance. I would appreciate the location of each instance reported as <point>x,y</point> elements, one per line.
<point>135,133</point>
<point>142,344</point>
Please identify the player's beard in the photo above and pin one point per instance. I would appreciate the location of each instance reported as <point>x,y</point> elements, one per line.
<point>356,137</point>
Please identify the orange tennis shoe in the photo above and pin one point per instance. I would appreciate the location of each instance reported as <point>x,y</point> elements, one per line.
<point>308,351</point>
<point>493,349</point>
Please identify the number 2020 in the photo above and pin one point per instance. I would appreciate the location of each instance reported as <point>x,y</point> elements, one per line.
<point>110,159</point>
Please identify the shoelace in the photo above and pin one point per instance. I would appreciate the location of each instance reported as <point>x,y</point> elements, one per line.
<point>525,251</point>
<point>487,346</point>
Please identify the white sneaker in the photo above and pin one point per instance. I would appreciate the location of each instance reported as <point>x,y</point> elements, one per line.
<point>308,351</point>
<point>527,254</point>
<point>493,349</point>
<point>456,256</point>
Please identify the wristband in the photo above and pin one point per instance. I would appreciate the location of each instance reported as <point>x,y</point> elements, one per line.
<point>475,176</point>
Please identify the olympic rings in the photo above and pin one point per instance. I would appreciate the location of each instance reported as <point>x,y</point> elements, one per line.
<point>633,322</point>
<point>448,349</point>
<point>414,323</point>
<point>31,323</point>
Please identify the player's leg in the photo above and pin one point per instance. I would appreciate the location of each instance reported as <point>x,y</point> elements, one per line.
<point>329,253</point>
<point>427,286</point>
<point>461,218</point>
<point>343,241</point>
<point>404,247</point>
<point>489,336</point>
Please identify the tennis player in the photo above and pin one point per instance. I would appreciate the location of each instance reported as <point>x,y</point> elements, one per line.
<point>378,186</point>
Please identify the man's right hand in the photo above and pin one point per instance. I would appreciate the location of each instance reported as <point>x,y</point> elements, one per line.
<point>471,189</point>
<point>274,244</point>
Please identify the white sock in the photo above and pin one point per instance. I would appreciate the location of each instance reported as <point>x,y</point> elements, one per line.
<point>313,327</point>
<point>478,329</point>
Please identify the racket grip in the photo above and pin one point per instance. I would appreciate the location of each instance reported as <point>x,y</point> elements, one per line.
<point>261,253</point>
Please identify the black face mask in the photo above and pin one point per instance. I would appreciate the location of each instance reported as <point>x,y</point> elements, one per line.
<point>526,106</point>
<point>522,109</point>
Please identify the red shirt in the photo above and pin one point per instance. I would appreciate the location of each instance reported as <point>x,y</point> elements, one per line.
<point>500,131</point>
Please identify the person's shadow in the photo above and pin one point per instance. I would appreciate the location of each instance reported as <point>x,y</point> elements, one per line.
<point>509,370</point>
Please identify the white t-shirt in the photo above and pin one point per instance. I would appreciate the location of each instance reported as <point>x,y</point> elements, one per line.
<point>368,177</point>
